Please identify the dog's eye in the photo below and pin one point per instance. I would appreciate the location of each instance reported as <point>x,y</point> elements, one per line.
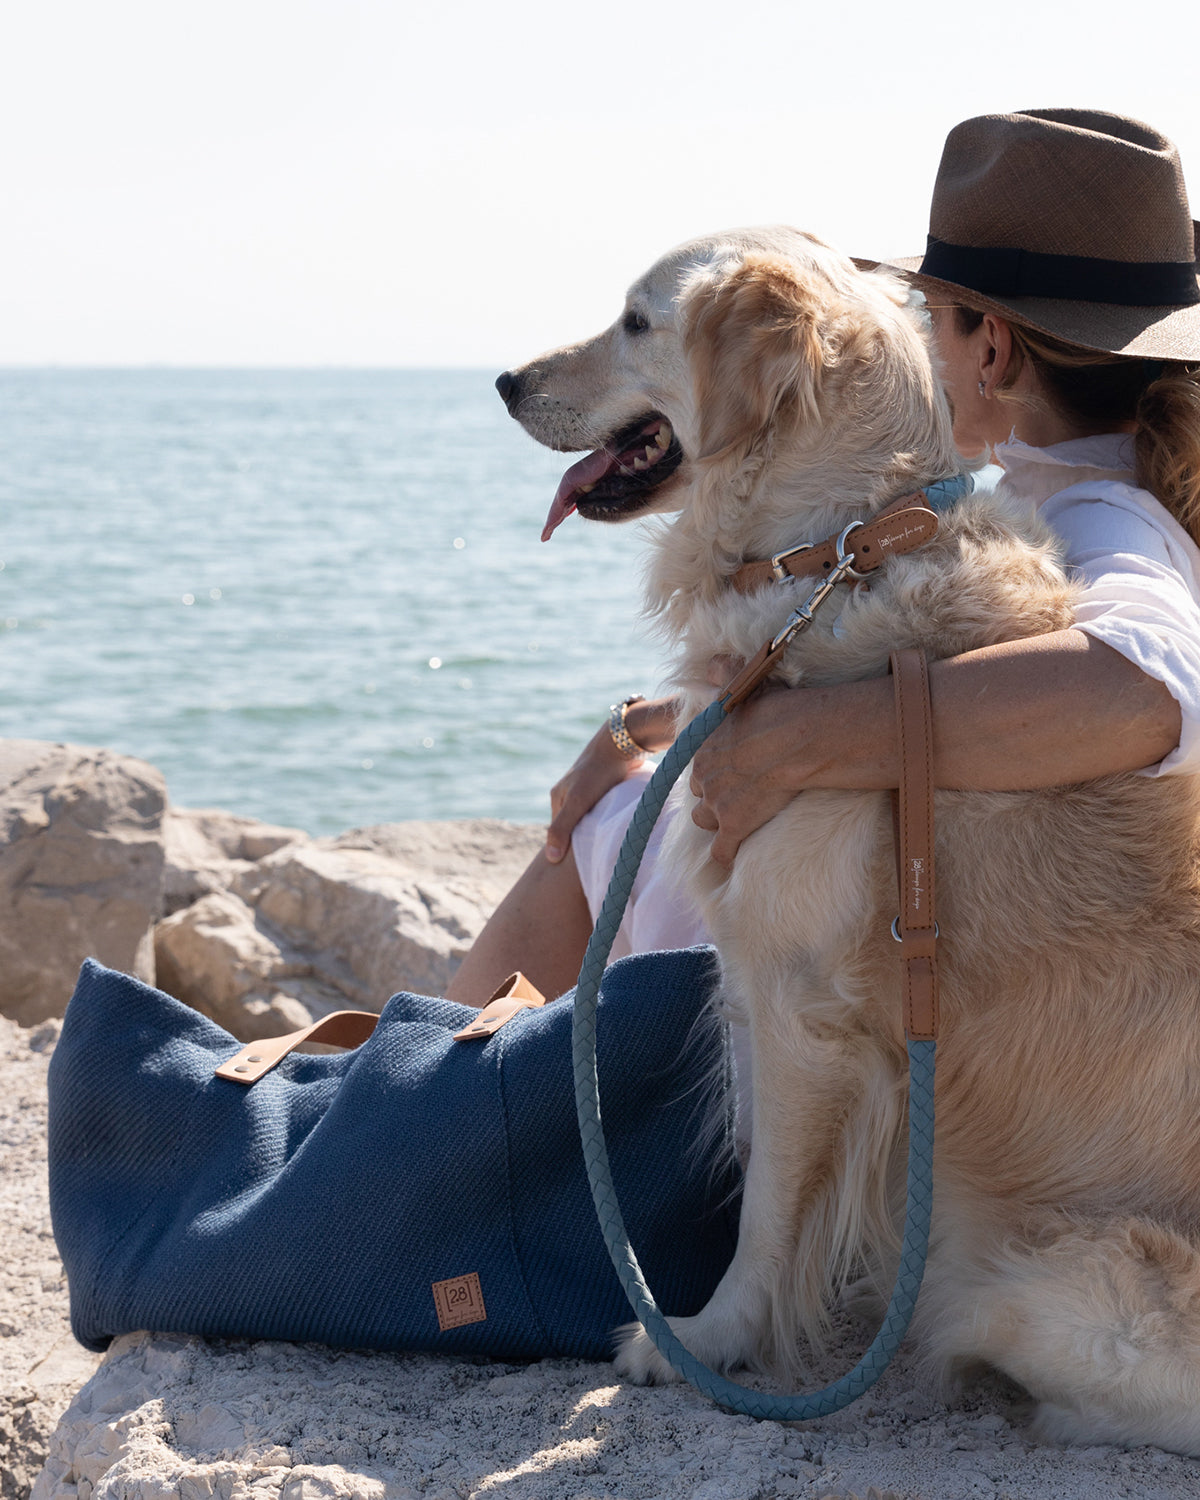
<point>635,323</point>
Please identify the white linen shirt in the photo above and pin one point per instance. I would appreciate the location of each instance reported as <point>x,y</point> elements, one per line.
<point>1139,568</point>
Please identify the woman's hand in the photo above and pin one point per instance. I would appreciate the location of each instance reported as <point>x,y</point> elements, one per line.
<point>740,777</point>
<point>601,766</point>
<point>739,789</point>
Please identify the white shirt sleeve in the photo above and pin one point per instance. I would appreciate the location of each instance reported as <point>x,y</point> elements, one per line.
<point>1140,573</point>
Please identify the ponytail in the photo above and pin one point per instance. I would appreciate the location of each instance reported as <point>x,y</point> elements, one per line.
<point>1167,443</point>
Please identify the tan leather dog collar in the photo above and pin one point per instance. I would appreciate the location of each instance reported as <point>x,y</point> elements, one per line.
<point>904,525</point>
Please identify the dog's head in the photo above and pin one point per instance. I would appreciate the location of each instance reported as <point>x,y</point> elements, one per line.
<point>747,350</point>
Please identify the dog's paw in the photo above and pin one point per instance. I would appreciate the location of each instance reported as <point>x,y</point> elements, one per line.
<point>638,1361</point>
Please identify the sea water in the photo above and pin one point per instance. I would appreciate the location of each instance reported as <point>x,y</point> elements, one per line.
<point>314,597</point>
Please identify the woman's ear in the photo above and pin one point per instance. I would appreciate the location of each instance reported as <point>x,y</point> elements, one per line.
<point>995,352</point>
<point>752,336</point>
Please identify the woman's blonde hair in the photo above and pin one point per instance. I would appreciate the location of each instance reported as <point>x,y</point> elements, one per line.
<point>1101,390</point>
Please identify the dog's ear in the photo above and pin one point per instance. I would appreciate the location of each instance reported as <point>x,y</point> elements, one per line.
<point>753,338</point>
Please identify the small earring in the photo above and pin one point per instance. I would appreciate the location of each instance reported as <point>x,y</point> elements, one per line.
<point>983,390</point>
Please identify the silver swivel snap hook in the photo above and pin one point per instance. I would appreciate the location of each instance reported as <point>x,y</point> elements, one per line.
<point>843,569</point>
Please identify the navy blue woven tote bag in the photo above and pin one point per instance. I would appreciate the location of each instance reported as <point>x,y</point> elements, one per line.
<point>370,1199</point>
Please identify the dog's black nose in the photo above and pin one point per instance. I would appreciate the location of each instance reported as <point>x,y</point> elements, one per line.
<point>509,387</point>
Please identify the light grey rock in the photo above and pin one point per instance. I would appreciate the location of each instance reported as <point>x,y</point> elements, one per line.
<point>206,848</point>
<point>262,927</point>
<point>309,926</point>
<point>81,869</point>
<point>391,907</point>
<point>217,957</point>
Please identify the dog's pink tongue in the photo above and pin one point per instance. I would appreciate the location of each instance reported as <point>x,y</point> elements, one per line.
<point>587,471</point>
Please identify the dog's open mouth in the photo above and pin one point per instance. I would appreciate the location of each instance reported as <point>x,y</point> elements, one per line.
<point>618,479</point>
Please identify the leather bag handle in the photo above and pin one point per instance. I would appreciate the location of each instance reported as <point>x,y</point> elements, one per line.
<point>350,1028</point>
<point>516,993</point>
<point>342,1028</point>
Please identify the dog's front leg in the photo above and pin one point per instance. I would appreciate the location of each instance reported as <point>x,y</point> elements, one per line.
<point>788,1240</point>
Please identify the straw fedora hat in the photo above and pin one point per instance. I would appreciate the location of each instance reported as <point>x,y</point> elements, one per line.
<point>1069,221</point>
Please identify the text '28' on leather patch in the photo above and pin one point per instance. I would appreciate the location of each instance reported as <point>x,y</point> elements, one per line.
<point>459,1301</point>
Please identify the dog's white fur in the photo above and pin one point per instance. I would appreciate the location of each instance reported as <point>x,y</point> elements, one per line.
<point>1067,1187</point>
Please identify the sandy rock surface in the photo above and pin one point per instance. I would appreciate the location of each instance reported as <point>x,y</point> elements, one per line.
<point>41,1365</point>
<point>81,869</point>
<point>168,1418</point>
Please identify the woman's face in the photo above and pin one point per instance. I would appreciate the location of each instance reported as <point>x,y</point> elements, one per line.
<point>974,366</point>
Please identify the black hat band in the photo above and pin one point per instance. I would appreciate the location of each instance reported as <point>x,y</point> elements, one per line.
<point>1075,278</point>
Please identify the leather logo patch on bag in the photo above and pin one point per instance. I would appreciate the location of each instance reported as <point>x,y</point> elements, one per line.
<point>459,1301</point>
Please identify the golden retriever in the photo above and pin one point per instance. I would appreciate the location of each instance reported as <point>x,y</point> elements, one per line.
<point>765,392</point>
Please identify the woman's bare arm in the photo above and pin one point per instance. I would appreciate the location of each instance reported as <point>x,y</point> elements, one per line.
<point>1046,711</point>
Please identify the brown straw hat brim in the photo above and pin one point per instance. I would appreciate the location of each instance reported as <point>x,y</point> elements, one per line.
<point>1171,333</point>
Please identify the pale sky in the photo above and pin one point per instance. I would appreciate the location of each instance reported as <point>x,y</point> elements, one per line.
<point>352,182</point>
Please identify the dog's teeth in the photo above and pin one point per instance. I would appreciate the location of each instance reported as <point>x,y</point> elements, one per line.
<point>639,464</point>
<point>653,454</point>
<point>663,438</point>
<point>584,489</point>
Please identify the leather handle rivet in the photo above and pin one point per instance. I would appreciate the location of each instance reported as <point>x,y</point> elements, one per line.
<point>240,1068</point>
<point>254,1059</point>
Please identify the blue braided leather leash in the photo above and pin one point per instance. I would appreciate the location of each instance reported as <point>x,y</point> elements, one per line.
<point>922,1055</point>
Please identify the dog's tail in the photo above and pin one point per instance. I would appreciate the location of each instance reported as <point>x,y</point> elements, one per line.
<point>1100,1323</point>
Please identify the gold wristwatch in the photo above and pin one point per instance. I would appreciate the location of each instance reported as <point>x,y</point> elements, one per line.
<point>621,737</point>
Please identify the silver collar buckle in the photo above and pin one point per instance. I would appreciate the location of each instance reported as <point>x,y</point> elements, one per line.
<point>778,558</point>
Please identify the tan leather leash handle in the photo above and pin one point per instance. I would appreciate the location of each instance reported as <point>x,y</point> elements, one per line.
<point>350,1028</point>
<point>916,927</point>
<point>756,671</point>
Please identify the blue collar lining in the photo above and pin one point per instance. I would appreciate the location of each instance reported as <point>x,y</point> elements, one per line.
<point>942,495</point>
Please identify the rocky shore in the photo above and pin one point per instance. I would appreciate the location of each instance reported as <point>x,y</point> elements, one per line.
<point>262,928</point>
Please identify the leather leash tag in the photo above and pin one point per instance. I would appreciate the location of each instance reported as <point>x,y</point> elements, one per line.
<point>516,993</point>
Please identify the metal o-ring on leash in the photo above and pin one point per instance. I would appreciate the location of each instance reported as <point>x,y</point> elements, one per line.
<point>921,1057</point>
